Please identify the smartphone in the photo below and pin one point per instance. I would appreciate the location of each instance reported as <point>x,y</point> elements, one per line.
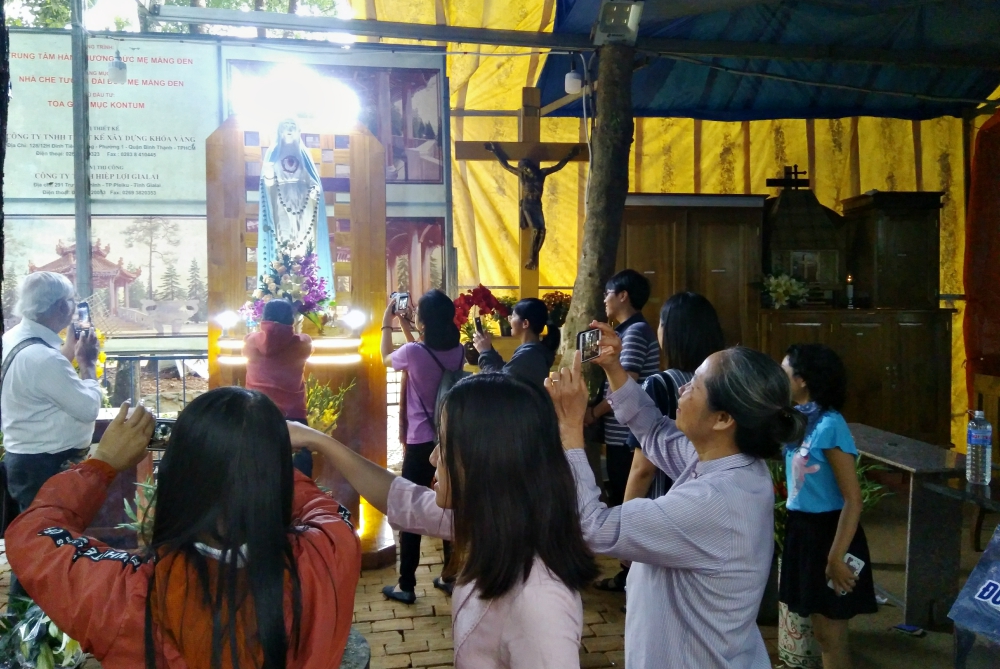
<point>479,325</point>
<point>82,323</point>
<point>402,301</point>
<point>588,343</point>
<point>855,564</point>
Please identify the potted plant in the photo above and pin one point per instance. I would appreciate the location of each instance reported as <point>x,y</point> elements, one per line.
<point>504,323</point>
<point>557,303</point>
<point>294,278</point>
<point>477,302</point>
<point>784,291</point>
<point>796,645</point>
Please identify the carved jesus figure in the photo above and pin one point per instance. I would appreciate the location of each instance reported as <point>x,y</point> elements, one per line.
<point>532,179</point>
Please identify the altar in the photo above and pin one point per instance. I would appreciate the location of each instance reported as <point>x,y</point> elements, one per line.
<point>350,170</point>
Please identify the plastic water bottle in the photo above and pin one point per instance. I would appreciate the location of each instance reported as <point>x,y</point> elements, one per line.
<point>978,454</point>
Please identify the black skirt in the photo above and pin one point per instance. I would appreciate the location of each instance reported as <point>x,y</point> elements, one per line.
<point>803,588</point>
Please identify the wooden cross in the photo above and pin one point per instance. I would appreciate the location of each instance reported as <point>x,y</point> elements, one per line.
<point>529,145</point>
<point>791,179</point>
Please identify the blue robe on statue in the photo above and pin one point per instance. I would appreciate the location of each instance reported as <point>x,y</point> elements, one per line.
<point>267,244</point>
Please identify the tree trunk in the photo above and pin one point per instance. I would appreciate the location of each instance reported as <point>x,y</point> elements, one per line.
<point>258,6</point>
<point>197,28</point>
<point>610,146</point>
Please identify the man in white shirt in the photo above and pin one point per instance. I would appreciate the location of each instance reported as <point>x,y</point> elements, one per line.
<point>47,411</point>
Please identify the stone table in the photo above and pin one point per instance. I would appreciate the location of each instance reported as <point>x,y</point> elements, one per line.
<point>934,525</point>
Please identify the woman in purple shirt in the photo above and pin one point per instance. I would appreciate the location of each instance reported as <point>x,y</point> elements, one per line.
<point>700,554</point>
<point>506,495</point>
<point>423,363</point>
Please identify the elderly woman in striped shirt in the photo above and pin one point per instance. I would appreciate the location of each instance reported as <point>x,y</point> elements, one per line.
<point>701,553</point>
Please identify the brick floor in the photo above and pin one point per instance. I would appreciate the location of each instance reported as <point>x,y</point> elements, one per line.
<point>428,642</point>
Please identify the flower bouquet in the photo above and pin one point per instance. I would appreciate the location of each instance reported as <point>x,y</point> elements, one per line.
<point>323,404</point>
<point>477,302</point>
<point>30,640</point>
<point>557,303</point>
<point>784,290</point>
<point>294,278</point>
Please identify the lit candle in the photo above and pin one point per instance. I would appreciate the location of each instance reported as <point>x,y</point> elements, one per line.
<point>850,291</point>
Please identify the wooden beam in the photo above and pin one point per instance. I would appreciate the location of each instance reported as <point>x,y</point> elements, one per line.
<point>541,151</point>
<point>980,58</point>
<point>567,99</point>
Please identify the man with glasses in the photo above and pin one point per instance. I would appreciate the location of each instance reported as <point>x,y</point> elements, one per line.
<point>47,410</point>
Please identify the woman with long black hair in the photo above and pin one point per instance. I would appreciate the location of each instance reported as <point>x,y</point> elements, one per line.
<point>533,359</point>
<point>507,498</point>
<point>249,564</point>
<point>423,362</point>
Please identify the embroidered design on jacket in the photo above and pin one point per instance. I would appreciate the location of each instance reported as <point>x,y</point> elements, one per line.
<point>83,548</point>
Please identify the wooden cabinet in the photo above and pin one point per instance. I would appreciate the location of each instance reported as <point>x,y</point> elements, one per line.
<point>898,363</point>
<point>895,249</point>
<point>709,244</point>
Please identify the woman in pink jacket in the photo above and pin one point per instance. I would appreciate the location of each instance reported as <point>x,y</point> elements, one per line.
<point>506,497</point>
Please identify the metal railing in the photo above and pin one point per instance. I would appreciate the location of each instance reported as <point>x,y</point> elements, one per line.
<point>133,364</point>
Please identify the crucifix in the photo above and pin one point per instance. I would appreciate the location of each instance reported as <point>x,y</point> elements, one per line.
<point>790,180</point>
<point>529,151</point>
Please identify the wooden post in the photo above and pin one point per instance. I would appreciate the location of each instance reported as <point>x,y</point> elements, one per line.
<point>611,143</point>
<point>529,129</point>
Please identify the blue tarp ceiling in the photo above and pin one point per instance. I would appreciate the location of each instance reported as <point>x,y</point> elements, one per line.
<point>730,89</point>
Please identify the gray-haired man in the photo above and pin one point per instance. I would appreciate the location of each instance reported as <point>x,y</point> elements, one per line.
<point>47,410</point>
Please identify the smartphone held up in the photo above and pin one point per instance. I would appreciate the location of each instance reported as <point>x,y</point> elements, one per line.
<point>81,324</point>
<point>588,343</point>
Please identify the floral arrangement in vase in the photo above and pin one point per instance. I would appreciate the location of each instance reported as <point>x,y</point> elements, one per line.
<point>557,302</point>
<point>784,290</point>
<point>294,278</point>
<point>477,302</point>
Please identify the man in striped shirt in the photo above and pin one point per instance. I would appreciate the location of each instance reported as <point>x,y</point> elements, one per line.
<point>626,294</point>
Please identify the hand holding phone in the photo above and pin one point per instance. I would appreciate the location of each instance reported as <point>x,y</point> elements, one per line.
<point>855,564</point>
<point>400,302</point>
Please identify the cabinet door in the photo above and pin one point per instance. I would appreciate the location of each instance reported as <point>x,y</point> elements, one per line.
<point>863,346</point>
<point>783,331</point>
<point>921,380</point>
<point>722,273</point>
<point>651,242</point>
<point>907,275</point>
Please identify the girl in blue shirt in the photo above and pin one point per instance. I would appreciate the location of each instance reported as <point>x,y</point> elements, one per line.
<point>824,507</point>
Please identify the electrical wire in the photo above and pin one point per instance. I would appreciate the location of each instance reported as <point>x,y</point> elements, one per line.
<point>844,87</point>
<point>586,130</point>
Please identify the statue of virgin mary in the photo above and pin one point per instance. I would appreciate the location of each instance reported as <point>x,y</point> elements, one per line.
<point>292,206</point>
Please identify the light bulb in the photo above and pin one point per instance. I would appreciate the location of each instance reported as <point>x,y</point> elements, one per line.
<point>574,82</point>
<point>117,70</point>
<point>227,319</point>
<point>354,319</point>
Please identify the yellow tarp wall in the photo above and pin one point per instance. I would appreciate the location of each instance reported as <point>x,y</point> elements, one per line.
<point>844,157</point>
